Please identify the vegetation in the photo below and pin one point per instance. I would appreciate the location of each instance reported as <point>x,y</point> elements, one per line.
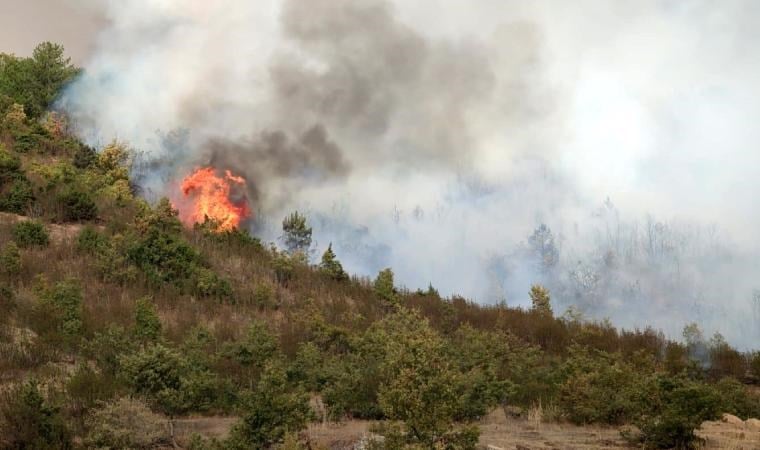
<point>151,320</point>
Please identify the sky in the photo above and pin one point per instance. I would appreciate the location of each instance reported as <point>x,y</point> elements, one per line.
<point>434,139</point>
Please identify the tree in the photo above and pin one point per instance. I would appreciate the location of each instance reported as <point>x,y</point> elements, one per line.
<point>274,409</point>
<point>540,300</point>
<point>296,233</point>
<point>35,82</point>
<point>421,385</point>
<point>543,248</point>
<point>147,323</point>
<point>331,266</point>
<point>384,287</point>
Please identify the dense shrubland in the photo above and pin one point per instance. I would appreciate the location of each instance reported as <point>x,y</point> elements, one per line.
<point>121,320</point>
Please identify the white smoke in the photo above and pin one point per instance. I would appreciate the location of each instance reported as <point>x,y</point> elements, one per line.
<point>455,129</point>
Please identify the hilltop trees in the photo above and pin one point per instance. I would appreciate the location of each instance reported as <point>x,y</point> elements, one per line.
<point>35,82</point>
<point>540,300</point>
<point>384,287</point>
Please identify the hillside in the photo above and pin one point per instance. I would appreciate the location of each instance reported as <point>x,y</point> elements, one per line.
<point>119,322</point>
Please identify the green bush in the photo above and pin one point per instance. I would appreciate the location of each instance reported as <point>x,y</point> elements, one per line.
<point>85,157</point>
<point>30,233</point>
<point>670,409</point>
<point>10,260</point>
<point>209,284</point>
<point>598,387</point>
<point>89,240</point>
<point>737,399</point>
<point>65,299</point>
<point>147,323</point>
<point>274,409</point>
<point>76,206</point>
<point>17,196</point>
<point>28,421</point>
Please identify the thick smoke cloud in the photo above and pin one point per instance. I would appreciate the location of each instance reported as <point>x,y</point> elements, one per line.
<point>434,138</point>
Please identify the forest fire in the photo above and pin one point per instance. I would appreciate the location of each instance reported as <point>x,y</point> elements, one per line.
<point>215,195</point>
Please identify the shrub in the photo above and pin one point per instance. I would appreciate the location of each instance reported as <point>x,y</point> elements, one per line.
<point>76,206</point>
<point>147,323</point>
<point>64,300</point>
<point>274,409</point>
<point>125,423</point>
<point>671,408</point>
<point>10,260</point>
<point>29,233</point>
<point>209,284</point>
<point>17,197</point>
<point>737,399</point>
<point>598,387</point>
<point>85,157</point>
<point>28,421</point>
<point>90,241</point>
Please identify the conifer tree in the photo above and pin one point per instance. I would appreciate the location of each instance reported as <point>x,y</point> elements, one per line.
<point>296,233</point>
<point>539,297</point>
<point>331,266</point>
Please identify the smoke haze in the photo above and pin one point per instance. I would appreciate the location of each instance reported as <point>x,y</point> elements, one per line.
<point>435,138</point>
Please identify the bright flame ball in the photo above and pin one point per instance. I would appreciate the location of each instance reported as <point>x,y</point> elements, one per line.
<point>208,196</point>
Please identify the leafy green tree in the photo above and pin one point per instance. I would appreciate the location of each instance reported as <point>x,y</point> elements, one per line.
<point>331,266</point>
<point>274,409</point>
<point>30,233</point>
<point>296,233</point>
<point>540,300</point>
<point>10,260</point>
<point>384,287</point>
<point>257,348</point>
<point>421,384</point>
<point>147,323</point>
<point>35,82</point>
<point>28,421</point>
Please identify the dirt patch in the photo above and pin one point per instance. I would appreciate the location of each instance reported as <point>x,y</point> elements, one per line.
<point>498,432</point>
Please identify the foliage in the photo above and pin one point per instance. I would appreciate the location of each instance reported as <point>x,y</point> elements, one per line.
<point>89,240</point>
<point>147,324</point>
<point>64,303</point>
<point>28,421</point>
<point>384,287</point>
<point>296,233</point>
<point>125,423</point>
<point>421,386</point>
<point>330,265</point>
<point>671,409</point>
<point>539,298</point>
<point>30,233</point>
<point>10,260</point>
<point>598,387</point>
<point>76,206</point>
<point>274,409</point>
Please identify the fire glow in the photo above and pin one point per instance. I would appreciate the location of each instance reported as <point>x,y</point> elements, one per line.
<point>211,194</point>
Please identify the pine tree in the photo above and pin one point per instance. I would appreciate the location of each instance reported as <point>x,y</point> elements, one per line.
<point>331,266</point>
<point>384,286</point>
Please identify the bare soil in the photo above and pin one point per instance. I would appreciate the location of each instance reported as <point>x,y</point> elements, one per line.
<point>499,432</point>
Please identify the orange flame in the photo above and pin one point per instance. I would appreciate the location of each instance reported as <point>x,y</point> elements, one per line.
<point>209,196</point>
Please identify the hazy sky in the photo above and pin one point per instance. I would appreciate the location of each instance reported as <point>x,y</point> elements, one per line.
<point>25,23</point>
